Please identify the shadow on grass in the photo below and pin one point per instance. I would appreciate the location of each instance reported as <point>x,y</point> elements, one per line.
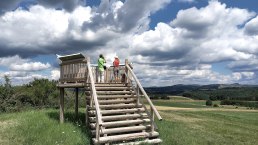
<point>70,118</point>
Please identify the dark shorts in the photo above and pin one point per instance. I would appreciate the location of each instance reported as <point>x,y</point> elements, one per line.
<point>116,71</point>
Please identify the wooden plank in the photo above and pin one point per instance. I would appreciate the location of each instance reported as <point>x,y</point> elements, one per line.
<point>114,92</point>
<point>116,101</point>
<point>73,61</point>
<point>113,88</point>
<point>119,117</point>
<point>118,111</point>
<point>121,130</point>
<point>119,106</point>
<point>71,85</point>
<point>147,141</point>
<point>61,105</point>
<point>116,96</point>
<point>121,123</point>
<point>125,137</point>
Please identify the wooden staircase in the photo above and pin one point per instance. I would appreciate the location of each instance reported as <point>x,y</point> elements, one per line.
<point>124,119</point>
<point>116,115</point>
<point>115,112</point>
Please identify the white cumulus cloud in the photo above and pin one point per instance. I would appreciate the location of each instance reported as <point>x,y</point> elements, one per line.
<point>30,66</point>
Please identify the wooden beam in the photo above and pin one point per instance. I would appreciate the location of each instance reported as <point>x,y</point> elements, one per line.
<point>124,137</point>
<point>126,71</point>
<point>76,102</point>
<point>61,105</point>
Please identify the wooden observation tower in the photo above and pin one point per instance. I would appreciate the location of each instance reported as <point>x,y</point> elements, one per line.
<point>115,111</point>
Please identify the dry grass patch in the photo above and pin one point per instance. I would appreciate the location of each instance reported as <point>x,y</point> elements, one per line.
<point>181,118</point>
<point>6,125</point>
<point>164,108</point>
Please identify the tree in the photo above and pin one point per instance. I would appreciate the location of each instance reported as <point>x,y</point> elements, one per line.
<point>208,103</point>
<point>6,94</point>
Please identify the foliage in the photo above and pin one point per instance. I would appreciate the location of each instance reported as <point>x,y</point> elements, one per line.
<point>251,104</point>
<point>39,93</point>
<point>215,105</point>
<point>243,94</point>
<point>6,95</point>
<point>208,103</point>
<point>159,96</point>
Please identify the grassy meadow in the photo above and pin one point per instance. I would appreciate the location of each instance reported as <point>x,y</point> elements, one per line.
<point>185,122</point>
<point>190,122</point>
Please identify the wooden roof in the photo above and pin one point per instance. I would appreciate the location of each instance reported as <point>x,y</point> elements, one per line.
<point>69,57</point>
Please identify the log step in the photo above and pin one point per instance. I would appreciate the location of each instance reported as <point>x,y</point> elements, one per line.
<point>121,130</point>
<point>114,92</point>
<point>125,137</point>
<point>111,84</point>
<point>101,102</point>
<point>117,111</point>
<point>119,117</point>
<point>110,88</point>
<point>118,106</point>
<point>116,96</point>
<point>121,123</point>
<point>147,141</point>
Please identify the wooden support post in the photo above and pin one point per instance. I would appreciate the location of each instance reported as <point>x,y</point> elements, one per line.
<point>76,103</point>
<point>126,71</point>
<point>152,120</point>
<point>86,115</point>
<point>138,94</point>
<point>61,105</point>
<point>97,131</point>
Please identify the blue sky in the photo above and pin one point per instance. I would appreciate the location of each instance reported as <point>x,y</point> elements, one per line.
<point>169,41</point>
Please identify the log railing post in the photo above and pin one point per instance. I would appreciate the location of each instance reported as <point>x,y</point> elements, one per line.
<point>86,113</point>
<point>76,102</point>
<point>126,71</point>
<point>95,100</point>
<point>138,94</point>
<point>97,130</point>
<point>152,120</point>
<point>61,105</point>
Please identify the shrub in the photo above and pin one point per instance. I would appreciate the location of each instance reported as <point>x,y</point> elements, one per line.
<point>165,97</point>
<point>215,105</point>
<point>208,103</point>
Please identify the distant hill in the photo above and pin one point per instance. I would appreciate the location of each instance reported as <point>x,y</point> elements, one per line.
<point>173,90</point>
<point>181,88</point>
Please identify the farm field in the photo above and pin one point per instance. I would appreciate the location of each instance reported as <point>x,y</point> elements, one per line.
<point>191,122</point>
<point>184,123</point>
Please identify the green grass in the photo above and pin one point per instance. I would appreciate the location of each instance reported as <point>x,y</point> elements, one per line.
<point>183,104</point>
<point>42,127</point>
<point>217,126</point>
<point>209,128</point>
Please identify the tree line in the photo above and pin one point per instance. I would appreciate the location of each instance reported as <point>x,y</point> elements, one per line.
<point>37,94</point>
<point>240,94</point>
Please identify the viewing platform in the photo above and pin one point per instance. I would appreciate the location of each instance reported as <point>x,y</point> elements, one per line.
<point>115,111</point>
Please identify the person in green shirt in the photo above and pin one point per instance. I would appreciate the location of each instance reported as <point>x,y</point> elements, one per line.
<point>101,68</point>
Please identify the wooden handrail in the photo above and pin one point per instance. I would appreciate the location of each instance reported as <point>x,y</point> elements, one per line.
<point>94,97</point>
<point>144,93</point>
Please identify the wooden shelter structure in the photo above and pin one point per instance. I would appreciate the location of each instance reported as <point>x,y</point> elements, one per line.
<point>115,111</point>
